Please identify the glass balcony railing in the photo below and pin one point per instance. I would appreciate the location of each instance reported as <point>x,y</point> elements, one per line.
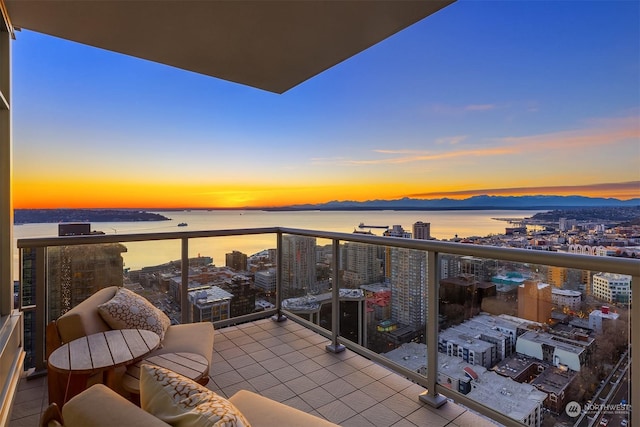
<point>523,337</point>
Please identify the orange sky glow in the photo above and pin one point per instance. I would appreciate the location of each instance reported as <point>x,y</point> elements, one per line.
<point>426,114</point>
<point>108,195</point>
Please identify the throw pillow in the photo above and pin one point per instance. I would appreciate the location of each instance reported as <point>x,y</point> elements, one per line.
<point>128,310</point>
<point>181,402</point>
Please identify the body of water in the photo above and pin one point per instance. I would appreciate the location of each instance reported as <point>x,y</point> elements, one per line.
<point>444,225</point>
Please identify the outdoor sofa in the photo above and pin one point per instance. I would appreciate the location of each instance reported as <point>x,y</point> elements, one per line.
<point>85,319</point>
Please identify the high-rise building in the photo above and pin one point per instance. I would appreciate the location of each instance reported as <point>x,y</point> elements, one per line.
<point>236,260</point>
<point>408,280</point>
<point>482,270</point>
<point>565,224</point>
<point>535,301</point>
<point>556,276</point>
<point>361,265</point>
<point>77,272</point>
<point>406,273</point>
<point>394,231</point>
<point>298,265</point>
<point>422,230</point>
<point>243,300</point>
<point>449,266</point>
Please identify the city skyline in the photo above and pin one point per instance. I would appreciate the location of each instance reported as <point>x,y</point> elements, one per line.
<point>499,98</point>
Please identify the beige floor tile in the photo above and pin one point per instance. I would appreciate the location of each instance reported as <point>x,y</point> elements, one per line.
<point>336,412</point>
<point>286,373</point>
<point>289,363</point>
<point>251,371</point>
<point>450,410</point>
<point>402,405</point>
<point>427,418</point>
<point>227,379</point>
<point>252,347</point>
<point>279,393</point>
<point>358,379</point>
<point>263,382</point>
<point>307,366</point>
<point>339,387</point>
<point>241,361</point>
<point>317,397</point>
<point>378,391</point>
<point>380,415</point>
<point>262,355</point>
<point>322,376</point>
<point>298,403</point>
<point>301,385</point>
<point>358,401</point>
<point>272,363</point>
<point>469,419</point>
<point>356,421</point>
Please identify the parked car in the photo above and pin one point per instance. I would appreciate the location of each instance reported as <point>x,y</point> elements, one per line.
<point>604,422</point>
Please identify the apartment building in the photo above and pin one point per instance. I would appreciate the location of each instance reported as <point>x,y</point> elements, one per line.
<point>553,349</point>
<point>210,305</point>
<point>612,288</point>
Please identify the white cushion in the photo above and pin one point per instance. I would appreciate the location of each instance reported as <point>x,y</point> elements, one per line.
<point>128,310</point>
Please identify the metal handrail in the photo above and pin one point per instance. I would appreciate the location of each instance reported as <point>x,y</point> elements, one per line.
<point>585,262</point>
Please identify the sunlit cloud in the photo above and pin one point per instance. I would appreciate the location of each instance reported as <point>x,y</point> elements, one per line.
<point>427,156</point>
<point>608,132</point>
<point>629,189</point>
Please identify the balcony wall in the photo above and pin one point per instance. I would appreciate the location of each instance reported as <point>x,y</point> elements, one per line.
<point>457,319</point>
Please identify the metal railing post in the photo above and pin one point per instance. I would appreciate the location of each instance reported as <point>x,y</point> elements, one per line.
<point>634,325</point>
<point>335,347</point>
<point>42,305</point>
<point>431,396</point>
<point>184,282</point>
<point>279,317</point>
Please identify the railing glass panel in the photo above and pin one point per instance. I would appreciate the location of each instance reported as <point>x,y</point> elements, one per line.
<point>426,309</point>
<point>534,342</point>
<point>307,278</point>
<point>231,276</point>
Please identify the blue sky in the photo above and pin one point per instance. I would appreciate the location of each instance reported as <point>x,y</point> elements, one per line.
<point>481,96</point>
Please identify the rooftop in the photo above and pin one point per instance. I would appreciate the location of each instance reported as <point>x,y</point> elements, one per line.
<point>516,399</point>
<point>553,341</point>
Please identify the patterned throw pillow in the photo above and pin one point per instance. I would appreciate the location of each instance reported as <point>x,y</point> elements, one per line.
<point>181,402</point>
<point>128,310</point>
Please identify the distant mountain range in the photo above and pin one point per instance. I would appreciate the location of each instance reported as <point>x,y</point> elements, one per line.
<point>472,203</point>
<point>542,203</point>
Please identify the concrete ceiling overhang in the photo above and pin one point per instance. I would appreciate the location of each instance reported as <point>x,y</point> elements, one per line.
<point>268,44</point>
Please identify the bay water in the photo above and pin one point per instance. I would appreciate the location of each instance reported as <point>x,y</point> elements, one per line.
<point>445,225</point>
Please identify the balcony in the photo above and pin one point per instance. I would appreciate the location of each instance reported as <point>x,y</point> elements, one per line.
<point>364,353</point>
<point>288,363</point>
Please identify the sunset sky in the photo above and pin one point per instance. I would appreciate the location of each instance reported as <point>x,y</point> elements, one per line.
<point>484,97</point>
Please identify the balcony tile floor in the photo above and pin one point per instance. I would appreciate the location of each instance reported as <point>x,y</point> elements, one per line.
<point>288,363</point>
